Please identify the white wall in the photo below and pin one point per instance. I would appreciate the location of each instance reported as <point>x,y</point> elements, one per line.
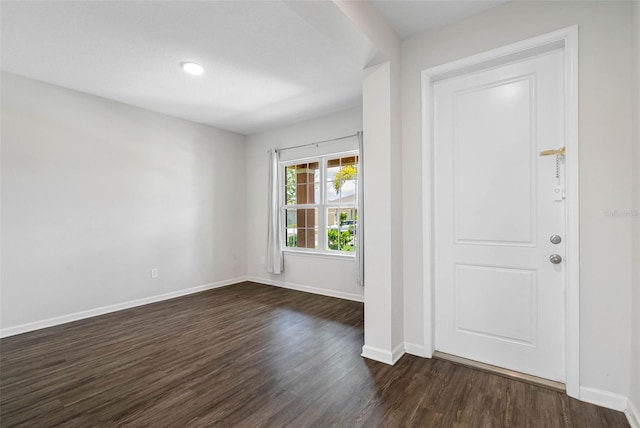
<point>384,331</point>
<point>634,396</point>
<point>96,193</point>
<point>605,158</point>
<point>335,276</point>
<point>378,313</point>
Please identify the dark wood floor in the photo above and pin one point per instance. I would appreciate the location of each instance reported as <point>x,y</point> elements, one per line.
<point>253,355</point>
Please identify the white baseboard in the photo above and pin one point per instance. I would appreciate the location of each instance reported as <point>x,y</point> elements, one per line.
<point>50,322</point>
<point>397,353</point>
<point>603,398</point>
<point>417,350</point>
<point>382,355</point>
<point>308,289</point>
<point>633,416</point>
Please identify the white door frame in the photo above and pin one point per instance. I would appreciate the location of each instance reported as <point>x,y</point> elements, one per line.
<point>567,40</point>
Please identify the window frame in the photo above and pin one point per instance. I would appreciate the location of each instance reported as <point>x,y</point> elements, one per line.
<point>321,207</point>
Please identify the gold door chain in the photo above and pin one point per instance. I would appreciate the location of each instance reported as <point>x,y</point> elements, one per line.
<point>558,152</point>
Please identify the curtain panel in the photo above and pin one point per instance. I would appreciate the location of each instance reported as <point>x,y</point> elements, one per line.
<point>275,258</point>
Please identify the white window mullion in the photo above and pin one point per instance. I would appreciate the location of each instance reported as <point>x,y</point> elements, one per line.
<point>322,211</point>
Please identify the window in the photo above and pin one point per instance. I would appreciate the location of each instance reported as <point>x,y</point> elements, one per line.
<point>320,204</point>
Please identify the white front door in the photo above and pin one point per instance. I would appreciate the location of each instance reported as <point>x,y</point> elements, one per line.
<point>498,297</point>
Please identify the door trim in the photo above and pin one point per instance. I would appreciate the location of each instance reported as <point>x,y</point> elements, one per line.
<point>567,40</point>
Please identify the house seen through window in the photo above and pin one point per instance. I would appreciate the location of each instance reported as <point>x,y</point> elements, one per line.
<point>321,203</point>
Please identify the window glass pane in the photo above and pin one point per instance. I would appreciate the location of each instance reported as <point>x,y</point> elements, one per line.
<point>313,169</point>
<point>342,174</point>
<point>292,218</point>
<point>342,227</point>
<point>307,237</point>
<point>290,195</point>
<point>292,238</point>
<point>349,160</point>
<point>300,183</point>
<point>301,193</point>
<point>302,228</point>
<point>349,192</point>
<point>307,172</point>
<point>290,174</point>
<point>332,194</point>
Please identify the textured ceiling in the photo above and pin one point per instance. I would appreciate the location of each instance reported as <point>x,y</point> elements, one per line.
<point>411,17</point>
<point>265,65</point>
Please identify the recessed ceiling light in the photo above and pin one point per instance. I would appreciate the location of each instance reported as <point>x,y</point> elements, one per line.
<point>192,68</point>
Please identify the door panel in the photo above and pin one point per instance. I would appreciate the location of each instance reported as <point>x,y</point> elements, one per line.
<point>499,300</point>
<point>475,286</point>
<point>507,151</point>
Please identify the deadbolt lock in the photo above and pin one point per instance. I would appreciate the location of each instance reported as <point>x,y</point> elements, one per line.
<point>555,239</point>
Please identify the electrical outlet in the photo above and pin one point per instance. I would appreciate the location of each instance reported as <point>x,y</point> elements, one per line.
<point>262,260</point>
<point>154,273</point>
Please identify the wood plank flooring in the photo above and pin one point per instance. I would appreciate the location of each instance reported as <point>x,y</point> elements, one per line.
<point>251,355</point>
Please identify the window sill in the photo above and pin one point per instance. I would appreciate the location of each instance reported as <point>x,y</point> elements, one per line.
<point>323,255</point>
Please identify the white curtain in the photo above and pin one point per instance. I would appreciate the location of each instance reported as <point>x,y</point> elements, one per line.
<point>275,259</point>
<point>360,235</point>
